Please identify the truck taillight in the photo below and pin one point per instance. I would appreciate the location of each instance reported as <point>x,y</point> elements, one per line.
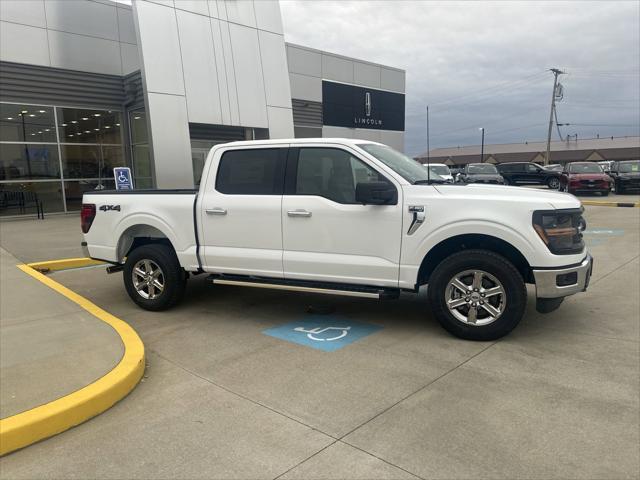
<point>87,214</point>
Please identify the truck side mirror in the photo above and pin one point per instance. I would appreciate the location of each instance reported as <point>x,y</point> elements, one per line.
<point>376,193</point>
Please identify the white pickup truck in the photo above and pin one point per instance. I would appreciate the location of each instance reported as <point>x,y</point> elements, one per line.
<point>346,217</point>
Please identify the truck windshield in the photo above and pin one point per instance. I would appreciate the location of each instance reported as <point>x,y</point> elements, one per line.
<point>482,168</point>
<point>404,166</point>
<point>628,167</point>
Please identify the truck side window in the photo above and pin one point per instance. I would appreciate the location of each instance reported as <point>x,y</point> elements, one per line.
<point>251,172</point>
<point>332,173</point>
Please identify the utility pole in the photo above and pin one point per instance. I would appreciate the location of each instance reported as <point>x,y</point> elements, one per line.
<point>482,147</point>
<point>556,72</point>
<point>428,154</point>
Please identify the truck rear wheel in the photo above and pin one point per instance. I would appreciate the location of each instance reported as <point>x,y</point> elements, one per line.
<point>477,295</point>
<point>153,277</point>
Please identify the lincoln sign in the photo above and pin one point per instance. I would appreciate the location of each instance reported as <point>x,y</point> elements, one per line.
<point>358,107</point>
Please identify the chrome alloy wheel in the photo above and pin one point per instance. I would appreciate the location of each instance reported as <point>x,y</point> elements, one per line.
<point>475,297</point>
<point>148,279</point>
<point>554,184</point>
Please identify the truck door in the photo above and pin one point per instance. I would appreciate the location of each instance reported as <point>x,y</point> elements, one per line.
<point>327,236</point>
<point>240,211</point>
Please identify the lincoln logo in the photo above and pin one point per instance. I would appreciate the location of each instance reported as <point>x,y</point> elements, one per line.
<point>367,119</point>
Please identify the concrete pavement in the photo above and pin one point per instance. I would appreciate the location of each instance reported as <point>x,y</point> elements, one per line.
<point>558,398</point>
<point>49,346</point>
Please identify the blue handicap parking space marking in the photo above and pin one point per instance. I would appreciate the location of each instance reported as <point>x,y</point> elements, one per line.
<point>598,236</point>
<point>323,332</point>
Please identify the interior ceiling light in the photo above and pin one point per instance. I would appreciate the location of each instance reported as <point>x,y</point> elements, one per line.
<point>136,118</point>
<point>32,115</point>
<point>46,129</point>
<point>85,118</point>
<point>24,111</point>
<point>64,124</point>
<point>9,118</point>
<point>42,111</point>
<point>96,114</point>
<point>117,124</point>
<point>74,121</point>
<point>108,126</point>
<point>87,131</point>
<point>97,129</point>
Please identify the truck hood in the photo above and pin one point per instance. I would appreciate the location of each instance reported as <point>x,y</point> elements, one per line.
<point>536,198</point>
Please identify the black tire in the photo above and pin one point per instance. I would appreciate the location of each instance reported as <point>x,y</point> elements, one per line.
<point>489,262</point>
<point>172,275</point>
<point>553,183</point>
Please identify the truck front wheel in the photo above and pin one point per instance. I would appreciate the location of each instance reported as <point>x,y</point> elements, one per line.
<point>153,277</point>
<point>477,295</point>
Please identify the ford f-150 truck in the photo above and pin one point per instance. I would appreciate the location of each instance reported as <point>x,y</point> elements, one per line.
<point>346,217</point>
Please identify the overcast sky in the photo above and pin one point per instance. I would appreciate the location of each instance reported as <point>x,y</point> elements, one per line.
<point>485,64</point>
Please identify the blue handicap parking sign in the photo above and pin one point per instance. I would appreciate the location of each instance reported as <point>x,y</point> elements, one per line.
<point>323,332</point>
<point>123,178</point>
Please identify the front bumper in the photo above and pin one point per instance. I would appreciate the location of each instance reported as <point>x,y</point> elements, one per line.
<point>547,280</point>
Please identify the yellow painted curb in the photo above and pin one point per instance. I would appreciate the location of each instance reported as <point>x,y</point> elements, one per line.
<point>65,264</point>
<point>28,427</point>
<point>610,204</point>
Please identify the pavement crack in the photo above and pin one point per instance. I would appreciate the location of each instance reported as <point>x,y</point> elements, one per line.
<point>240,395</point>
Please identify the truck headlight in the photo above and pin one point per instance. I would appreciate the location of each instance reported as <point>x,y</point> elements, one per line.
<point>560,230</point>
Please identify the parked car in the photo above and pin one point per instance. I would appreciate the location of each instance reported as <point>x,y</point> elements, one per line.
<point>345,217</point>
<point>555,167</point>
<point>527,173</point>
<point>626,175</point>
<point>480,173</point>
<point>441,170</point>
<point>583,177</point>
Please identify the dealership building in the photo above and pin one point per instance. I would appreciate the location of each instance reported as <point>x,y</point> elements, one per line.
<point>89,85</point>
<point>570,150</point>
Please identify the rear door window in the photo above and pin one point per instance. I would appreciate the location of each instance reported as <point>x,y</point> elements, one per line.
<point>252,172</point>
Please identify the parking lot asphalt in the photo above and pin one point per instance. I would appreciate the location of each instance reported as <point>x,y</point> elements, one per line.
<point>558,398</point>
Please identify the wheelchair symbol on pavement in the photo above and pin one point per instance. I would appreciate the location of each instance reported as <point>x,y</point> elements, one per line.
<point>312,332</point>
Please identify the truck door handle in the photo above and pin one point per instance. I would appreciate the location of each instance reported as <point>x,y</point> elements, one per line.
<point>216,211</point>
<point>299,213</point>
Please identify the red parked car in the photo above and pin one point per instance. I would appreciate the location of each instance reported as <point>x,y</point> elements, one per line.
<point>580,177</point>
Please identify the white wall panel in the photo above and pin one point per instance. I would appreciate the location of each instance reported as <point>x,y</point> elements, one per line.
<point>304,61</point>
<point>20,11</point>
<point>230,69</point>
<point>274,67</point>
<point>199,63</point>
<point>280,122</point>
<point>392,80</point>
<point>249,78</point>
<point>166,3</point>
<point>160,48</point>
<point>195,6</point>
<point>130,58</point>
<point>366,74</point>
<point>304,87</point>
<point>23,44</point>
<point>268,16</point>
<point>89,54</point>
<point>126,28</point>
<point>393,139</point>
<point>170,139</point>
<point>221,72</point>
<point>241,11</point>
<point>86,18</point>
<point>366,134</point>
<point>336,68</point>
<point>337,132</point>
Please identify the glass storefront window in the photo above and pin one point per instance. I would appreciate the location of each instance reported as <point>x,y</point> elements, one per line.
<point>27,123</point>
<point>141,161</point>
<point>138,125</point>
<point>28,161</point>
<point>140,153</point>
<point>89,126</point>
<point>90,161</point>
<point>49,193</point>
<point>74,190</point>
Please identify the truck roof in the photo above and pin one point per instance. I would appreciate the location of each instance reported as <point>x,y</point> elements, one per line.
<point>343,141</point>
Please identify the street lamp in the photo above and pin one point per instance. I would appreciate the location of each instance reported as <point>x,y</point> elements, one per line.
<point>482,148</point>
